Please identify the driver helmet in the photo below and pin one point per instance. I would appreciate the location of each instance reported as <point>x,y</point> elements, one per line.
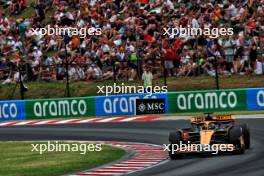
<point>212,126</point>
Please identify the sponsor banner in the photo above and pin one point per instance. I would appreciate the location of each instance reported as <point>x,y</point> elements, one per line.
<point>150,106</point>
<point>60,108</point>
<point>12,110</point>
<point>116,105</point>
<point>207,101</point>
<point>255,99</point>
<point>125,104</point>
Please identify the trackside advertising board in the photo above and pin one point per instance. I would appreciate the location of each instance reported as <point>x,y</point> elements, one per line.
<point>255,99</point>
<point>116,105</point>
<point>150,106</point>
<point>12,110</point>
<point>125,104</point>
<point>60,108</point>
<point>207,101</point>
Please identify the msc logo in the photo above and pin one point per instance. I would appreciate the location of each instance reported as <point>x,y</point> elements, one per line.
<point>150,106</point>
<point>155,106</point>
<point>142,107</point>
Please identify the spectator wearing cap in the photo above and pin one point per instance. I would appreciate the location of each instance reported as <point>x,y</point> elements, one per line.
<point>36,53</point>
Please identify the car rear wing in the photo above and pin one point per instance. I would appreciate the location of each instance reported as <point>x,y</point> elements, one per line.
<point>219,118</point>
<point>224,118</point>
<point>198,119</point>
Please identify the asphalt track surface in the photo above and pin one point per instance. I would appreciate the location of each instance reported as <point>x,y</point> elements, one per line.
<point>156,132</point>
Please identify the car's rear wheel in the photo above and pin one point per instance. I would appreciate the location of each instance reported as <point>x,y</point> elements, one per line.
<point>174,138</point>
<point>236,138</point>
<point>246,135</point>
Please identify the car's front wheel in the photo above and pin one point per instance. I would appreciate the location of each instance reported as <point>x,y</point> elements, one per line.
<point>174,138</point>
<point>246,135</point>
<point>237,139</point>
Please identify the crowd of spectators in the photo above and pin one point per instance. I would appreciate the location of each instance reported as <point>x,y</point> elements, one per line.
<point>132,38</point>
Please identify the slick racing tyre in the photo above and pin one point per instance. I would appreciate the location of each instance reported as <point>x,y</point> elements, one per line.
<point>236,138</point>
<point>174,138</point>
<point>246,135</point>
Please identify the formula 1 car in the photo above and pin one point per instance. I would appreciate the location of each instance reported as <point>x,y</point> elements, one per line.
<point>210,130</point>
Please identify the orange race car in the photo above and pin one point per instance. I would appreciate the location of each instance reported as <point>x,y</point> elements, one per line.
<point>210,134</point>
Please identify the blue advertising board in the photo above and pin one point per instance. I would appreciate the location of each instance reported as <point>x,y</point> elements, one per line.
<point>12,110</point>
<point>255,99</point>
<point>125,104</point>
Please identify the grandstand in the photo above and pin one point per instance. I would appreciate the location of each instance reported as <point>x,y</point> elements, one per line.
<point>132,37</point>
